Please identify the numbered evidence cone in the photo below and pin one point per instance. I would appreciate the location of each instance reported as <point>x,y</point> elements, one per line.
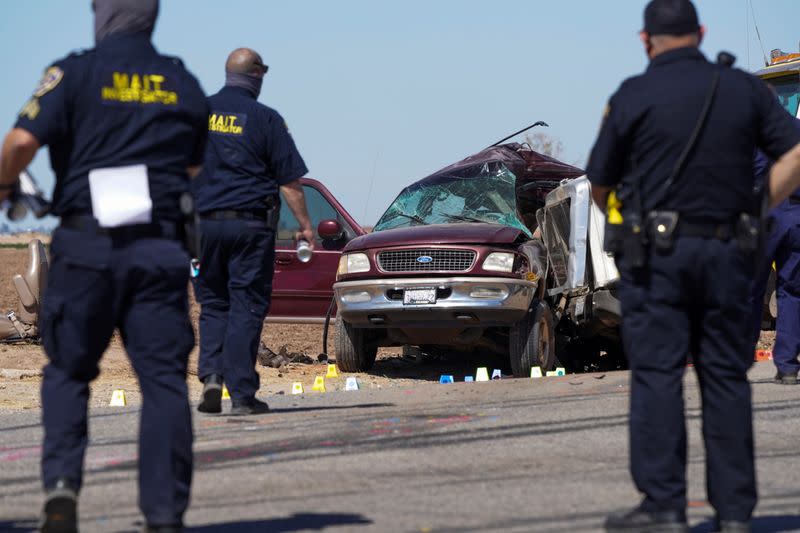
<point>117,398</point>
<point>446,379</point>
<point>551,373</point>
<point>536,371</point>
<point>351,383</point>
<point>496,374</point>
<point>332,373</point>
<point>297,388</point>
<point>469,379</point>
<point>319,384</point>
<point>482,374</point>
<point>560,371</point>
<point>225,394</point>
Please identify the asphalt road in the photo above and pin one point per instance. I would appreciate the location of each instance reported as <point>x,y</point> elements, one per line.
<point>510,455</point>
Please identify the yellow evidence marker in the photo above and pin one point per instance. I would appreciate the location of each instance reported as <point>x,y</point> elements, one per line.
<point>536,371</point>
<point>332,373</point>
<point>117,398</point>
<point>297,388</point>
<point>482,374</point>
<point>319,384</point>
<point>225,394</point>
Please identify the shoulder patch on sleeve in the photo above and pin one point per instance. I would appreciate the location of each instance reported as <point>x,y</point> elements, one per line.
<point>51,78</point>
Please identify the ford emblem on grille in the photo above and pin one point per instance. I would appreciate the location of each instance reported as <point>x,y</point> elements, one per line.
<point>424,259</point>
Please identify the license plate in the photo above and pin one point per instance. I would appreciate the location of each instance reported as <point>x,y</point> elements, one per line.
<point>419,296</point>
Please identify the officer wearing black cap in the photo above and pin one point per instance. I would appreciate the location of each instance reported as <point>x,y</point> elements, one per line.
<point>249,159</point>
<point>126,127</point>
<point>676,149</point>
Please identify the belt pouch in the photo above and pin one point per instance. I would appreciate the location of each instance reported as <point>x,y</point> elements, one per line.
<point>662,226</point>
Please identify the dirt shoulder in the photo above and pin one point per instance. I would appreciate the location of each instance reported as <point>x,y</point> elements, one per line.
<point>21,364</point>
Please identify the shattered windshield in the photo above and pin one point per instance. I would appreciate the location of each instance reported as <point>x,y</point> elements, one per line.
<point>484,193</point>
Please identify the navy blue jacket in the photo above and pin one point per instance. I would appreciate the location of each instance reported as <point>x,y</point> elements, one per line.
<point>249,154</point>
<point>121,103</point>
<point>651,117</point>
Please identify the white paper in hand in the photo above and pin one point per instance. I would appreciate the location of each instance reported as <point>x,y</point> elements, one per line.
<point>121,196</point>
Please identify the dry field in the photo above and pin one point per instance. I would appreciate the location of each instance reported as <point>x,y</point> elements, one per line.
<point>21,364</point>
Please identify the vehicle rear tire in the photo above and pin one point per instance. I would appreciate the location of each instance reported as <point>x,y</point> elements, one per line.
<point>532,341</point>
<point>353,351</point>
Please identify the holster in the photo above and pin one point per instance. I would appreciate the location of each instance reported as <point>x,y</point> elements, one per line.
<point>191,225</point>
<point>273,205</point>
<point>749,232</point>
<point>627,240</point>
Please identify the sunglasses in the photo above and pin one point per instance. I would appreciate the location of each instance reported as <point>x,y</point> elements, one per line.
<point>262,66</point>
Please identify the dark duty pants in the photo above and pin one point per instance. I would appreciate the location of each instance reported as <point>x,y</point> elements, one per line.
<point>783,247</point>
<point>234,288</point>
<point>692,300</point>
<point>97,283</point>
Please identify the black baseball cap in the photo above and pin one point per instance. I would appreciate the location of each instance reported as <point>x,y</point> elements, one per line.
<point>670,17</point>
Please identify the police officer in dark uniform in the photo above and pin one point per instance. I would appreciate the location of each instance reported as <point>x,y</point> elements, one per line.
<point>250,158</point>
<point>782,248</point>
<point>685,252</point>
<point>126,127</point>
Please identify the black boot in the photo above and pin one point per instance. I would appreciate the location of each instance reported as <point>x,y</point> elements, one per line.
<point>212,394</point>
<point>251,406</point>
<point>638,520</point>
<point>60,513</point>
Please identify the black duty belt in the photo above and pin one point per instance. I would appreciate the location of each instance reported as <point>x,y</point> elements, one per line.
<point>229,214</point>
<point>154,230</point>
<point>708,230</point>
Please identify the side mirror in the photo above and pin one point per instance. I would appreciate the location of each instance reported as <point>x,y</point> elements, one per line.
<point>330,229</point>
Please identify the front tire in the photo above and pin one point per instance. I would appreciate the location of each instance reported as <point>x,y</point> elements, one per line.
<point>353,352</point>
<point>532,341</point>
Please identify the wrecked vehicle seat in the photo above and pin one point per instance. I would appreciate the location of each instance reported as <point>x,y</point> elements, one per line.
<point>22,323</point>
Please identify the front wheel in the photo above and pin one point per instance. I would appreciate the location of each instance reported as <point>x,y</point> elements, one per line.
<point>353,352</point>
<point>532,342</point>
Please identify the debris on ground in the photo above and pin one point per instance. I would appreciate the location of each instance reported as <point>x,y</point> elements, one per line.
<point>267,357</point>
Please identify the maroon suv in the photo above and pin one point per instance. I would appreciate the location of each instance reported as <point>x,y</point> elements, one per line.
<point>453,264</point>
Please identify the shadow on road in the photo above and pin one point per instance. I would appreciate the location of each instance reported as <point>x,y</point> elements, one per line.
<point>18,526</point>
<point>322,408</point>
<point>297,522</point>
<point>431,368</point>
<point>761,524</point>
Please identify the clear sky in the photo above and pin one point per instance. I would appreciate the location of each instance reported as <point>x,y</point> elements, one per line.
<point>379,94</point>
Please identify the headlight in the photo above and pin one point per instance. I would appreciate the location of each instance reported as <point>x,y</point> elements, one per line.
<point>353,264</point>
<point>499,262</point>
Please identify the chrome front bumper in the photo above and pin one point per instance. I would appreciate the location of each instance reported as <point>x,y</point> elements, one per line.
<point>460,302</point>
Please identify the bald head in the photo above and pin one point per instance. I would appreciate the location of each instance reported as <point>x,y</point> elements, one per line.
<point>244,69</point>
<point>245,61</point>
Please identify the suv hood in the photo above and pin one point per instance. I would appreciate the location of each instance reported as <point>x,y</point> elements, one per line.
<point>466,233</point>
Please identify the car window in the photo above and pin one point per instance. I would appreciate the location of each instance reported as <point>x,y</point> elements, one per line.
<point>319,209</point>
<point>556,229</point>
<point>788,89</point>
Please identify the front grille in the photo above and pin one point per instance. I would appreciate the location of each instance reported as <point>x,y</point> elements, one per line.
<point>441,260</point>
